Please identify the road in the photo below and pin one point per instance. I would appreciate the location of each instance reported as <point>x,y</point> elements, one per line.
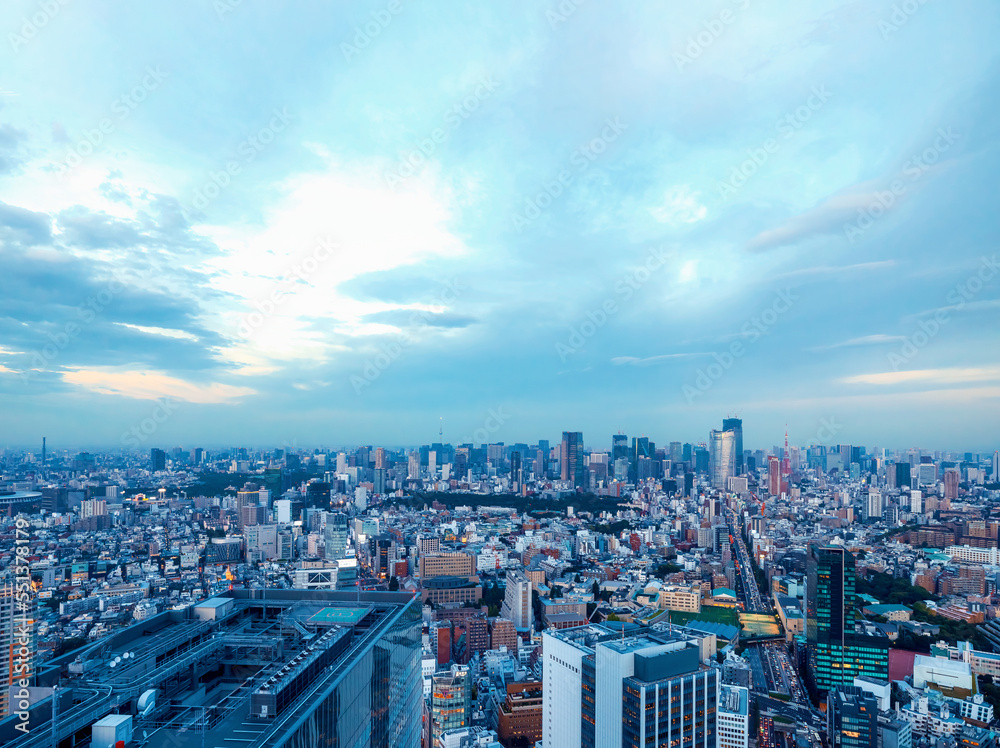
<point>753,601</point>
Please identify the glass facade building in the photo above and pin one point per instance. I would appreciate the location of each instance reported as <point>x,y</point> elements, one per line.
<point>837,655</point>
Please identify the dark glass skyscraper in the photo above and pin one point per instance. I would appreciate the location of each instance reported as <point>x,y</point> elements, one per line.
<point>836,653</point>
<point>571,457</point>
<point>736,425</point>
<point>852,718</point>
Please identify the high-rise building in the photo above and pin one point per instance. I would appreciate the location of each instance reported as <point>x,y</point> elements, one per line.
<point>733,717</point>
<point>836,653</point>
<point>451,700</point>
<point>951,479</point>
<point>517,600</point>
<point>157,460</point>
<point>520,715</point>
<point>571,458</point>
<point>335,536</point>
<point>902,474</point>
<point>852,718</point>
<point>619,448</point>
<point>774,476</point>
<point>503,634</point>
<point>603,688</point>
<point>916,502</point>
<point>736,426</point>
<point>351,675</point>
<point>516,472</point>
<point>722,457</point>
<point>995,475</point>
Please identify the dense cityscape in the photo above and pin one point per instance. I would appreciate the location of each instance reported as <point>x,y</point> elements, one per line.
<point>547,594</point>
<point>526,374</point>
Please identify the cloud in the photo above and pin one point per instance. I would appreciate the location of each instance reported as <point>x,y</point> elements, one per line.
<point>680,206</point>
<point>826,218</point>
<point>96,230</point>
<point>635,361</point>
<point>147,385</point>
<point>408,318</point>
<point>22,227</point>
<point>952,375</point>
<point>838,269</point>
<point>877,339</point>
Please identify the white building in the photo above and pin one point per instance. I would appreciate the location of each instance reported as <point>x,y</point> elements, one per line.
<point>945,673</point>
<point>732,727</point>
<point>974,555</point>
<point>517,600</point>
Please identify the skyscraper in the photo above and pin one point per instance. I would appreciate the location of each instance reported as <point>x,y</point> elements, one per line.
<point>619,447</point>
<point>517,600</point>
<point>951,479</point>
<point>774,476</point>
<point>836,653</point>
<point>601,688</point>
<point>157,460</point>
<point>736,426</point>
<point>516,471</point>
<point>721,456</point>
<point>451,700</point>
<point>335,535</point>
<point>571,458</point>
<point>852,718</point>
<point>734,717</point>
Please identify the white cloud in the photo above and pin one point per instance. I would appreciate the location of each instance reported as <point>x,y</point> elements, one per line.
<point>680,206</point>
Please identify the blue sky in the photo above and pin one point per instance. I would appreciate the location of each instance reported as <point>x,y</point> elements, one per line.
<point>333,223</point>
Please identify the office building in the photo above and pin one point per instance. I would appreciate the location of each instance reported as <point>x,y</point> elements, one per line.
<point>503,634</point>
<point>157,460</point>
<point>733,717</point>
<point>852,718</point>
<point>836,653</point>
<point>736,426</point>
<point>520,714</point>
<point>722,457</point>
<point>604,686</point>
<point>447,565</point>
<point>335,536</point>
<point>517,600</point>
<point>451,700</point>
<point>571,458</point>
<point>343,665</point>
<point>773,476</point>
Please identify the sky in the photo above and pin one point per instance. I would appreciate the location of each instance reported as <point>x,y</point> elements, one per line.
<point>256,222</point>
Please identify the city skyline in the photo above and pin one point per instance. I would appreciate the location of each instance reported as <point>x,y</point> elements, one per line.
<point>725,207</point>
